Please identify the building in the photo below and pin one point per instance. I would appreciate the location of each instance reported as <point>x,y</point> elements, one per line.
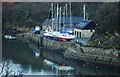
<point>84,29</point>
<point>67,20</point>
<point>62,21</point>
<point>81,28</point>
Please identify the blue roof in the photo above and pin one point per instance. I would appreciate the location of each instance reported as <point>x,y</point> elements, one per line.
<point>86,24</point>
<point>66,20</point>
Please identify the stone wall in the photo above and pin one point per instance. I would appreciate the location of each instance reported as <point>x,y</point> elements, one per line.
<point>56,44</point>
<point>51,44</point>
<point>107,56</point>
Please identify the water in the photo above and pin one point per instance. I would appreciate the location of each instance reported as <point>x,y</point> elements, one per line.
<point>31,59</point>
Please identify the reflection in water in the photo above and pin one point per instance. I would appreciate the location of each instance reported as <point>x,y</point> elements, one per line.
<point>59,69</point>
<point>36,50</point>
<point>32,59</point>
<point>37,54</point>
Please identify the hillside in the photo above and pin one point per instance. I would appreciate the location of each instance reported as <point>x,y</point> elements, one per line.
<point>105,15</point>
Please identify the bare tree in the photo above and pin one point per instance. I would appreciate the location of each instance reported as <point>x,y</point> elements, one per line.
<point>2,66</point>
<point>6,70</point>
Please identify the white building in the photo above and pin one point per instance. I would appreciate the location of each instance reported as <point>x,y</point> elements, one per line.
<point>84,29</point>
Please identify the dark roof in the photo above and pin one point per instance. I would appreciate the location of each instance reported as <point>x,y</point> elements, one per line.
<point>66,20</point>
<point>28,25</point>
<point>86,24</point>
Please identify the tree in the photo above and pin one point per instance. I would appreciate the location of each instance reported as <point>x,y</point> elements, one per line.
<point>6,70</point>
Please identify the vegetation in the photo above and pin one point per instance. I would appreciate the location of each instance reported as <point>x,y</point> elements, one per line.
<point>24,14</point>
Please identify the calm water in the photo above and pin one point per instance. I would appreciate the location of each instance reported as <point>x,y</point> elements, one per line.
<point>30,58</point>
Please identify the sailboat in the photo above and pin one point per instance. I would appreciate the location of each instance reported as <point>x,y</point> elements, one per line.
<point>63,36</point>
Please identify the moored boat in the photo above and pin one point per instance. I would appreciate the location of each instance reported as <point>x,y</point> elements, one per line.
<point>63,36</point>
<point>9,37</point>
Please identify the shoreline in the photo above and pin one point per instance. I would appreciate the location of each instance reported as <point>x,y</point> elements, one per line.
<point>98,55</point>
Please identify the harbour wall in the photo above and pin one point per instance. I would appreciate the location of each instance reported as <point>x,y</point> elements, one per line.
<point>50,44</point>
<point>98,55</point>
<point>75,51</point>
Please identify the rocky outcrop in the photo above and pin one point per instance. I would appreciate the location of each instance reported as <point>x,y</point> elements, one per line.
<point>109,56</point>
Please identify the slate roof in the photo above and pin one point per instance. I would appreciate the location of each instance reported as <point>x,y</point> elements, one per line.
<point>81,24</point>
<point>86,24</point>
<point>66,20</point>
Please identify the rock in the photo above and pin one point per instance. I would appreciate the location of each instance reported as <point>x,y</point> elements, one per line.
<point>71,50</point>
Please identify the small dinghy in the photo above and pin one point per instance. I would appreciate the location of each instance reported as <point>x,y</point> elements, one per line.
<point>9,37</point>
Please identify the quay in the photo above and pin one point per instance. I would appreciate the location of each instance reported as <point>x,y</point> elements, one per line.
<point>73,50</point>
<point>50,44</point>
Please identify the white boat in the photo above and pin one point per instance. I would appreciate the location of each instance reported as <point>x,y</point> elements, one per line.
<point>52,34</point>
<point>64,35</point>
<point>48,62</point>
<point>9,37</point>
<point>59,35</point>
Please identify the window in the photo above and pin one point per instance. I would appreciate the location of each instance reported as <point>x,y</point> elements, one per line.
<point>74,32</point>
<point>80,34</point>
<point>91,30</point>
<point>77,34</point>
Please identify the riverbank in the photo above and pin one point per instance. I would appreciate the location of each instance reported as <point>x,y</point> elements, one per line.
<point>74,50</point>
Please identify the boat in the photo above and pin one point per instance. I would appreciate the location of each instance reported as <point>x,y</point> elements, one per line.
<point>63,35</point>
<point>9,37</point>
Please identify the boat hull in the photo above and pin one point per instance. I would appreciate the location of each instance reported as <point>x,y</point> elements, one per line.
<point>59,35</point>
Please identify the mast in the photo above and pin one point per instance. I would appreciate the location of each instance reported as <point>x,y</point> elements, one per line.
<point>70,16</point>
<point>66,9</point>
<point>63,17</point>
<point>84,11</point>
<point>86,15</point>
<point>57,17</point>
<point>52,14</point>
<point>60,19</point>
<point>57,9</point>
